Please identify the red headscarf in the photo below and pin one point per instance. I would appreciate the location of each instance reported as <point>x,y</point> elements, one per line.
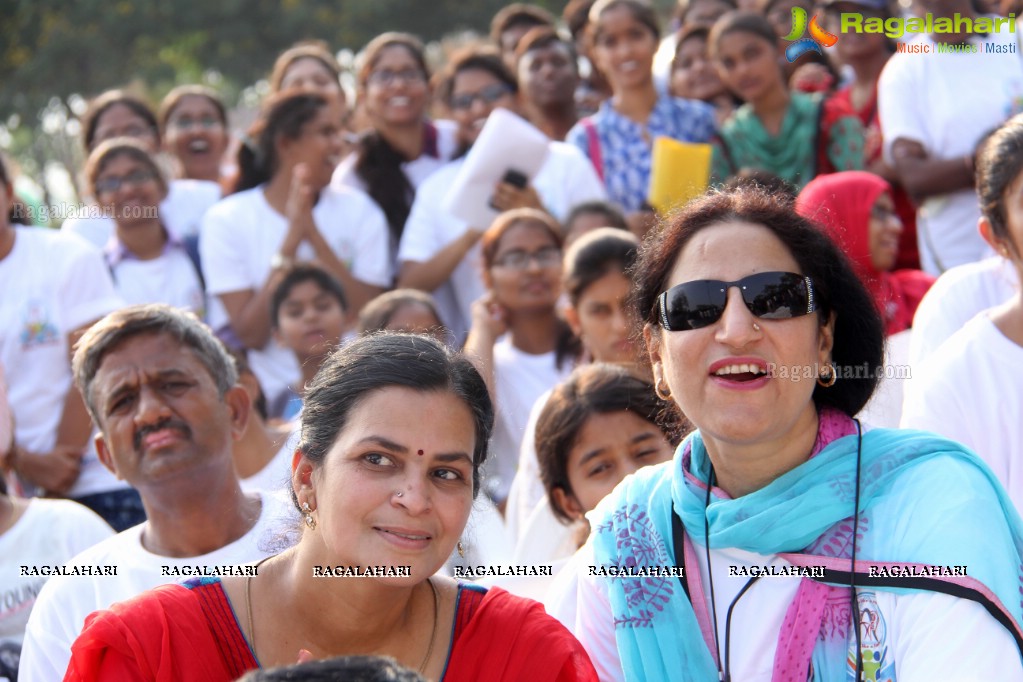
<point>841,203</point>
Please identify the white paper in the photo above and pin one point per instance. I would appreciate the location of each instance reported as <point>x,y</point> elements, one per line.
<point>507,142</point>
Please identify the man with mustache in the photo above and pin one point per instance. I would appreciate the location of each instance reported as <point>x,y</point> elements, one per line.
<point>163,392</point>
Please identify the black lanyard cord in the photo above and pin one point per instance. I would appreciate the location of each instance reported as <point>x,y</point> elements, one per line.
<point>710,575</point>
<point>724,673</point>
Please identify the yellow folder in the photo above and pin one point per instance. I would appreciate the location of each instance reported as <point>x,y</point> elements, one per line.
<point>679,172</point>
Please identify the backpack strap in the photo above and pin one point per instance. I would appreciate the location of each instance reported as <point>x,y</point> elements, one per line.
<point>593,146</point>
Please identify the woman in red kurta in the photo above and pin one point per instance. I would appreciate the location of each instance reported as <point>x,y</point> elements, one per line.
<point>395,428</point>
<point>190,632</point>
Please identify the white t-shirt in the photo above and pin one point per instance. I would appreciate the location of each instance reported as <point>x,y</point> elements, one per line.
<point>276,475</point>
<point>416,170</point>
<point>566,178</point>
<point>240,236</point>
<point>65,601</point>
<point>182,211</point>
<point>50,285</point>
<point>913,631</point>
<point>519,379</point>
<point>48,534</point>
<point>527,489</point>
<point>6,420</point>
<point>169,278</point>
<point>956,298</point>
<point>969,390</point>
<point>947,102</point>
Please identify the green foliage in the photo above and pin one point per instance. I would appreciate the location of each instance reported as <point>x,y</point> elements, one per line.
<point>50,48</point>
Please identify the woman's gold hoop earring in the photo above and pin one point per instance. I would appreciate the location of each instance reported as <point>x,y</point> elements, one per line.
<point>828,380</point>
<point>461,549</point>
<point>309,520</point>
<point>664,395</point>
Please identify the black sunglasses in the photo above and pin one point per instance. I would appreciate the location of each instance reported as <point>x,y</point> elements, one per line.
<point>768,295</point>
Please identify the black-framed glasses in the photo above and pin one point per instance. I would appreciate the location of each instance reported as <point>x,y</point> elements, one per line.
<point>768,295</point>
<point>385,77</point>
<point>113,183</point>
<point>547,257</point>
<point>487,95</point>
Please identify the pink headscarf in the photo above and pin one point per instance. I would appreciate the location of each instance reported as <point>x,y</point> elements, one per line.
<point>841,203</point>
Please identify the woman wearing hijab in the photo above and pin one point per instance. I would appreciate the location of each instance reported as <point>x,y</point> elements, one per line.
<point>857,210</point>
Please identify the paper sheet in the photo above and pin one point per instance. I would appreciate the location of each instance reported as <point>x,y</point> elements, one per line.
<point>507,142</point>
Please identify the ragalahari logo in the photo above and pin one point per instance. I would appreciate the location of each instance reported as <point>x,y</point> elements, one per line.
<point>818,36</point>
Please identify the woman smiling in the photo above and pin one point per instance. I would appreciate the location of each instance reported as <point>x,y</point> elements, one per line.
<point>779,474</point>
<point>374,491</point>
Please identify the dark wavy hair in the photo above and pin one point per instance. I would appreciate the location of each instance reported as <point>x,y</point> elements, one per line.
<point>283,116</point>
<point>589,391</point>
<point>370,363</point>
<point>859,332</point>
<point>379,163</point>
<point>1000,162</point>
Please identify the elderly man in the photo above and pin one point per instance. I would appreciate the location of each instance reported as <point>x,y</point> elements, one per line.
<point>163,393</point>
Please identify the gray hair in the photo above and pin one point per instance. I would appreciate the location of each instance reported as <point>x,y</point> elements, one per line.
<point>154,318</point>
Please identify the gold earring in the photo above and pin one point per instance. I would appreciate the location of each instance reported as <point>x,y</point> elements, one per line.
<point>309,520</point>
<point>828,380</point>
<point>461,549</point>
<point>663,394</point>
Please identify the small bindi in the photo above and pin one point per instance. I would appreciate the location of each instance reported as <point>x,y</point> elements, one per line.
<point>420,453</point>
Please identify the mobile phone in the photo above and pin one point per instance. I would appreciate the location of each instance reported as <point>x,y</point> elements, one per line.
<point>514,178</point>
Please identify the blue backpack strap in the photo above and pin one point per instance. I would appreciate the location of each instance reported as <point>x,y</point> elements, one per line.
<point>191,244</point>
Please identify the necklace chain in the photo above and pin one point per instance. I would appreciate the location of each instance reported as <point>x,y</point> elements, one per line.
<point>433,631</point>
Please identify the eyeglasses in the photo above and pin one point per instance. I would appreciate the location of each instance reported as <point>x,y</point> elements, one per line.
<point>768,295</point>
<point>487,95</point>
<point>547,257</point>
<point>113,183</point>
<point>206,123</point>
<point>385,77</point>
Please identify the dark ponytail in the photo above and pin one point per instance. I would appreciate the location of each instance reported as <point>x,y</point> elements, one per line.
<point>379,164</point>
<point>283,116</point>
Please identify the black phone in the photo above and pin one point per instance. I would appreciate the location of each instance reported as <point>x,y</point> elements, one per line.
<point>514,178</point>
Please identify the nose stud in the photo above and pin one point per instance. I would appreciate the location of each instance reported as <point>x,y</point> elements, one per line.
<point>756,327</point>
<point>398,493</point>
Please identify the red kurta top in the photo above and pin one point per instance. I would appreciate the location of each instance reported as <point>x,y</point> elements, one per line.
<point>190,632</point>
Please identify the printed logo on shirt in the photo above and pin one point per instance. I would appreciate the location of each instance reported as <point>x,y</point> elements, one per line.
<point>819,38</point>
<point>877,664</point>
<point>37,328</point>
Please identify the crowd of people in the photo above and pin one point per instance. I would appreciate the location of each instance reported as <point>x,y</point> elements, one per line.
<point>434,334</point>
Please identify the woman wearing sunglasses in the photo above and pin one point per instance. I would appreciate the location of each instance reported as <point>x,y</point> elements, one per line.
<point>760,331</point>
<point>440,252</point>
